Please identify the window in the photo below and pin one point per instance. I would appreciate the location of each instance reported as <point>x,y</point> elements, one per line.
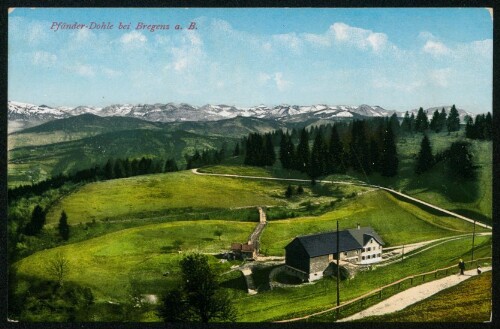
<point>369,249</point>
<point>363,257</point>
<point>368,256</point>
<point>378,255</point>
<point>364,249</point>
<point>345,253</point>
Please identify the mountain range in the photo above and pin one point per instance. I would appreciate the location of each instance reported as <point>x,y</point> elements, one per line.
<point>22,115</point>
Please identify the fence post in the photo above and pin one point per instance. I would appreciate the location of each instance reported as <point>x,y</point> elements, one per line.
<point>411,281</point>
<point>435,274</point>
<point>380,294</point>
<point>399,286</point>
<point>423,277</point>
<point>446,272</point>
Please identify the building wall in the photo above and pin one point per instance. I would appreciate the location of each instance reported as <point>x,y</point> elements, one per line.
<point>317,266</point>
<point>296,256</point>
<point>371,253</point>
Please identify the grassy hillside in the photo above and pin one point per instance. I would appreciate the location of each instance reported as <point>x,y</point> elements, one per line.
<point>139,197</point>
<point>74,128</point>
<point>396,221</point>
<point>110,264</point>
<point>470,301</point>
<point>136,259</point>
<point>49,160</point>
<point>469,198</point>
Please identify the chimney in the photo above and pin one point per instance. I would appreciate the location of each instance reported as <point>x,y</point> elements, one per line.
<point>359,226</point>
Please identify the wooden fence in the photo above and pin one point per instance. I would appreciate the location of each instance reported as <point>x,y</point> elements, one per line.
<point>417,278</point>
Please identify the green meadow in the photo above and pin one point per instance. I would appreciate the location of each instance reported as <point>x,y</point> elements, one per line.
<point>153,195</point>
<point>112,263</point>
<point>396,221</point>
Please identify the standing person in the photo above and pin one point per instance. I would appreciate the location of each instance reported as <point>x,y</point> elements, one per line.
<point>461,266</point>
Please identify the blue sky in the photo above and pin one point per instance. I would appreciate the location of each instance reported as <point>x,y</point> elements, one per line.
<point>399,59</point>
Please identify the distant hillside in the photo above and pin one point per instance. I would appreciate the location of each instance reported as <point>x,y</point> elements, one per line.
<point>61,157</point>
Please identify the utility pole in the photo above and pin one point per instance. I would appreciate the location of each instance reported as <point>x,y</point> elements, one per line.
<point>338,268</point>
<point>473,235</point>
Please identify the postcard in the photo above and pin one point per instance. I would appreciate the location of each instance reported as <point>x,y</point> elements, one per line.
<point>244,165</point>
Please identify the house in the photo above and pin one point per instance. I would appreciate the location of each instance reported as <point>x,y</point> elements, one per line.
<point>310,255</point>
<point>244,250</point>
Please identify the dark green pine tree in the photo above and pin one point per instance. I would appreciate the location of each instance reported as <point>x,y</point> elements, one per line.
<point>460,161</point>
<point>453,121</point>
<point>374,154</point>
<point>488,127</point>
<point>412,122</point>
<point>303,153</point>
<point>470,128</point>
<point>421,122</point>
<point>118,169</point>
<point>389,161</point>
<point>109,170</point>
<point>269,156</point>
<point>319,156</point>
<point>425,159</point>
<point>442,120</point>
<point>286,151</point>
<point>434,124</point>
<point>335,153</point>
<point>359,156</point>
<point>37,221</point>
<point>170,166</point>
<point>63,226</point>
<point>406,124</point>
<point>394,122</point>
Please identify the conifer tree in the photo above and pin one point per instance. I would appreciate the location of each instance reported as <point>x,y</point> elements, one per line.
<point>434,124</point>
<point>425,159</point>
<point>421,122</point>
<point>406,124</point>
<point>453,121</point>
<point>442,120</point>
<point>286,151</point>
<point>319,157</point>
<point>394,122</point>
<point>389,161</point>
<point>335,152</point>
<point>303,152</point>
<point>63,226</point>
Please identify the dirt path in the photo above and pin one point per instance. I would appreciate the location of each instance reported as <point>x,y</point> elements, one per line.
<point>195,171</point>
<point>412,295</point>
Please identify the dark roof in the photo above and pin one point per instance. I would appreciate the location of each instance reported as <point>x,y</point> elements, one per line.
<point>326,243</point>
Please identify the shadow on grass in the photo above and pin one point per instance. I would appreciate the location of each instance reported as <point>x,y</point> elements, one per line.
<point>237,283</point>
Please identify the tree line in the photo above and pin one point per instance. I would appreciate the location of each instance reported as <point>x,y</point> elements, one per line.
<point>370,147</point>
<point>479,128</point>
<point>114,168</point>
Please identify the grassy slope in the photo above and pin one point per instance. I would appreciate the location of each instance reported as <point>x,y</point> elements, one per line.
<point>470,198</point>
<point>470,301</point>
<point>143,196</point>
<point>397,222</point>
<point>110,264</point>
